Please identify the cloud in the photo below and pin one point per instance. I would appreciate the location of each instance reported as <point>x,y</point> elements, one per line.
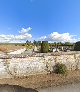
<point>55,36</point>
<point>23,35</point>
<point>23,30</point>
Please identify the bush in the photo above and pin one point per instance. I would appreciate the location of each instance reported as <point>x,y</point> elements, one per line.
<point>77,46</point>
<point>44,47</point>
<point>60,68</point>
<point>22,44</point>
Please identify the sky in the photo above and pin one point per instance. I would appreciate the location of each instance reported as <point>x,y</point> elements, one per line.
<point>51,20</point>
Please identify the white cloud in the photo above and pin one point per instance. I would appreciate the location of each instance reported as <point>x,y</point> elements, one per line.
<point>23,30</point>
<point>55,36</point>
<point>22,36</point>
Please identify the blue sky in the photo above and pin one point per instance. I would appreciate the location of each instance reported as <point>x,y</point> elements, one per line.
<point>49,19</point>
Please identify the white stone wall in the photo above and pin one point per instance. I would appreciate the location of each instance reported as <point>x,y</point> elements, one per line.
<point>34,65</point>
<point>23,67</point>
<point>17,51</point>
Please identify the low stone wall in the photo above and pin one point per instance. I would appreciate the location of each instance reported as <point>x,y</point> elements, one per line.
<point>34,65</point>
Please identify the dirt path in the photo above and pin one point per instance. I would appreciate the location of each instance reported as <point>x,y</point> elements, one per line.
<point>43,80</point>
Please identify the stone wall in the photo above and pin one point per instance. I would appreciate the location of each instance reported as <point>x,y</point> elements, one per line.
<point>34,65</point>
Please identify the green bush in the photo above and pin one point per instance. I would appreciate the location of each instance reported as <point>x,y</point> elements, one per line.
<point>44,47</point>
<point>60,68</point>
<point>77,46</point>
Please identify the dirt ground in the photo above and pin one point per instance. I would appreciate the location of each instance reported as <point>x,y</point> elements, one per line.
<point>7,48</point>
<point>44,80</point>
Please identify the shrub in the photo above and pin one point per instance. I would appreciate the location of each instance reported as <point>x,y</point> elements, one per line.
<point>77,46</point>
<point>23,45</point>
<point>60,68</point>
<point>44,47</point>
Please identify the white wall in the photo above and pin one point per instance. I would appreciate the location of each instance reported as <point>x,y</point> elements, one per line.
<point>33,65</point>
